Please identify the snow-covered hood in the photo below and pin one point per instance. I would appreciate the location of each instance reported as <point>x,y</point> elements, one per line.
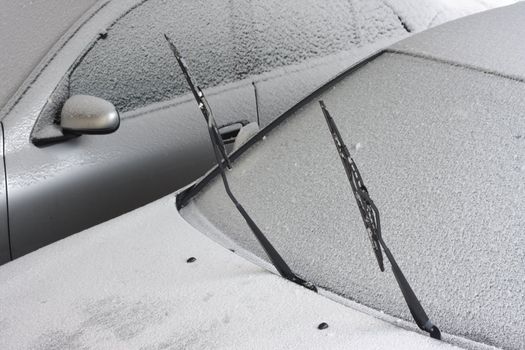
<point>126,284</point>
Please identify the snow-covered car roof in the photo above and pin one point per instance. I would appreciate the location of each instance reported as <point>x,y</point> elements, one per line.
<point>127,284</point>
<point>490,41</point>
<point>44,23</point>
<point>441,149</point>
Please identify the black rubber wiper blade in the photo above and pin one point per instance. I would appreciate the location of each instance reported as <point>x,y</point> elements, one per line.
<point>370,216</point>
<point>364,203</point>
<point>220,151</point>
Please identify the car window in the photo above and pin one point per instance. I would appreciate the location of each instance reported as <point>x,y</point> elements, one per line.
<point>441,150</point>
<point>222,41</point>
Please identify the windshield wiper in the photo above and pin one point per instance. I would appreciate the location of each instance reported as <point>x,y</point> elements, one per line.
<point>370,216</point>
<point>203,105</point>
<point>220,151</point>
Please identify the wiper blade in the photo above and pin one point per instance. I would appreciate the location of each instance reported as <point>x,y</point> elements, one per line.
<point>220,151</point>
<point>201,102</point>
<point>370,216</point>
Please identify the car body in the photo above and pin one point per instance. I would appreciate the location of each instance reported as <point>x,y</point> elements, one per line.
<point>56,185</point>
<point>184,272</point>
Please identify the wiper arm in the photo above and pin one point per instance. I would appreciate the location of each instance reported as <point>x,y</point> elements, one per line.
<point>220,151</point>
<point>202,103</point>
<point>370,216</point>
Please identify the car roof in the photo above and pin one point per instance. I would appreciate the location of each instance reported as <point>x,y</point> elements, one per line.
<point>490,41</point>
<point>127,283</point>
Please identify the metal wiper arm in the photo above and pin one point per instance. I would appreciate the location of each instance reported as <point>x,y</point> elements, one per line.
<point>220,151</point>
<point>370,216</point>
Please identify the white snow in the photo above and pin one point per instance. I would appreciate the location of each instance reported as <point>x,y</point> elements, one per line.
<point>422,14</point>
<point>126,284</point>
<point>491,41</point>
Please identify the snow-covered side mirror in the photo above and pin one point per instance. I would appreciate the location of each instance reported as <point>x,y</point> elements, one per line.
<point>83,114</point>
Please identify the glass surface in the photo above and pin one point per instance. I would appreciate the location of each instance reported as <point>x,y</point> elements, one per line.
<point>223,42</point>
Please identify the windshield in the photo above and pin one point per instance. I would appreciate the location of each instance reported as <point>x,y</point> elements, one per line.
<point>229,41</point>
<point>442,148</point>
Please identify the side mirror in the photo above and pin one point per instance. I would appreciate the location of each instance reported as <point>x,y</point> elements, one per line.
<point>83,114</point>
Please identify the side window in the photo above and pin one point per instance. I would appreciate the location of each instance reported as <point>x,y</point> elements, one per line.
<point>223,42</point>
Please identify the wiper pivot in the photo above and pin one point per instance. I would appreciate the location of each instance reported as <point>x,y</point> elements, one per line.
<point>220,152</point>
<point>370,216</point>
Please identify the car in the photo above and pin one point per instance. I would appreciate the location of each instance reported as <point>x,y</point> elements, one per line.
<point>59,178</point>
<point>436,143</point>
<point>431,134</point>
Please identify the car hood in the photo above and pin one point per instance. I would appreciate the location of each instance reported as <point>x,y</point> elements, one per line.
<point>127,284</point>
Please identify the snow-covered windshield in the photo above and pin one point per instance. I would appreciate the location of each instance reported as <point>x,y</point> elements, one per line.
<point>442,150</point>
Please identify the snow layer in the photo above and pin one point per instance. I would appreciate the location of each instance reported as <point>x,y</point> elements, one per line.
<point>126,284</point>
<point>419,15</point>
<point>480,41</point>
<point>281,88</point>
<point>442,151</point>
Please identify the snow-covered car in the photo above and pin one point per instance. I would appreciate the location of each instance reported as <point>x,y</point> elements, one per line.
<point>65,183</point>
<point>432,125</point>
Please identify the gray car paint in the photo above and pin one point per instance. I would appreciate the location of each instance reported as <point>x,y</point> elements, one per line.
<point>84,114</point>
<point>70,186</point>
